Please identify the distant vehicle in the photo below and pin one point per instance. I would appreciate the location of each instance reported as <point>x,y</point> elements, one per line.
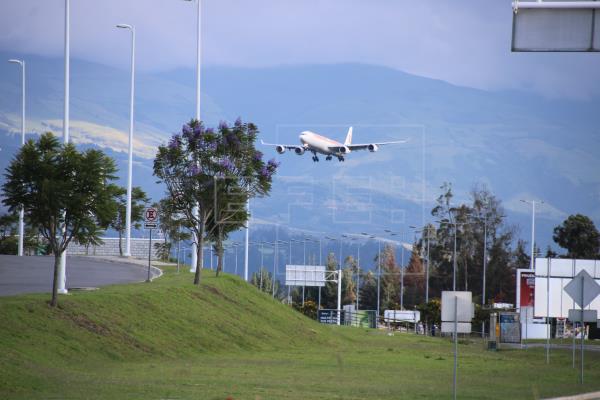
<point>315,143</point>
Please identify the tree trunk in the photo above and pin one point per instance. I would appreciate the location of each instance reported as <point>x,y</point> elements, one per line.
<point>57,257</point>
<point>200,251</point>
<point>219,250</point>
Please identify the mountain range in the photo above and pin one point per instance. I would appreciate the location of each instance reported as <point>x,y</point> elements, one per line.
<point>520,145</point>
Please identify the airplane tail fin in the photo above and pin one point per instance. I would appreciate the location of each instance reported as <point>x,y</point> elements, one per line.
<point>348,137</point>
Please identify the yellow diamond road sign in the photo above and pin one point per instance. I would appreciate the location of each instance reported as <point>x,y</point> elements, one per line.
<point>583,289</point>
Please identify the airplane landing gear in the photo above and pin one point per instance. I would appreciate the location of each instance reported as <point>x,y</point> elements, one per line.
<point>340,158</point>
<point>328,158</point>
<point>315,158</point>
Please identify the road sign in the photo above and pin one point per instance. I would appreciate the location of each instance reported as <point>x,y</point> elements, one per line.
<point>464,307</point>
<point>555,26</point>
<point>150,225</point>
<point>588,315</point>
<point>151,215</point>
<point>583,288</point>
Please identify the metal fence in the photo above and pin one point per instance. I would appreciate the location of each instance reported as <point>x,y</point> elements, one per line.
<point>360,319</point>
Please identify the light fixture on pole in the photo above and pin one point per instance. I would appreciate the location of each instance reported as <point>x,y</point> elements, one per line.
<point>21,211</point>
<point>130,150</point>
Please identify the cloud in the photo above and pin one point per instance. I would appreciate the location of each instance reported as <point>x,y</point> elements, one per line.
<point>465,42</point>
<point>145,143</point>
<point>545,210</point>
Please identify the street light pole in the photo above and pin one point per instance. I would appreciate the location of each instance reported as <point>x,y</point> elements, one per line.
<point>454,259</point>
<point>247,240</point>
<point>402,274</point>
<point>130,152</point>
<point>532,202</point>
<point>195,211</point>
<point>21,210</point>
<point>62,270</point>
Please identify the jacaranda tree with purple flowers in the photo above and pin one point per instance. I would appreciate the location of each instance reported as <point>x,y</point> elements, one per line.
<point>217,170</point>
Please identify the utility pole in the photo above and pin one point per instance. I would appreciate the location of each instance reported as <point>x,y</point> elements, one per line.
<point>62,271</point>
<point>21,210</point>
<point>130,147</point>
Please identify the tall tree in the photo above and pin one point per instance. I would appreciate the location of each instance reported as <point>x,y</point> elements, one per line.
<point>368,291</point>
<point>329,293</point>
<point>579,236</point>
<point>414,279</point>
<point>171,224</point>
<point>199,166</point>
<point>348,285</point>
<point>8,232</point>
<point>65,193</point>
<point>390,279</point>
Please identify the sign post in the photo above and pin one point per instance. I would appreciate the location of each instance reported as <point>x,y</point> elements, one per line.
<point>583,289</point>
<point>457,313</point>
<point>150,222</point>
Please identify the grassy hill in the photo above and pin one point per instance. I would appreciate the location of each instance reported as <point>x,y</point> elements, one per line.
<point>169,339</point>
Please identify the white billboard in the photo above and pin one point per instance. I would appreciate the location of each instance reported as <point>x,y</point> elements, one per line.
<point>551,277</point>
<point>305,275</point>
<point>401,316</point>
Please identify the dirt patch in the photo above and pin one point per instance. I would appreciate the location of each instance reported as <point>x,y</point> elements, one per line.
<point>220,294</point>
<point>84,322</point>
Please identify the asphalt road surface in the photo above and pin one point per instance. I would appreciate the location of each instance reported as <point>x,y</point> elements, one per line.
<point>34,274</point>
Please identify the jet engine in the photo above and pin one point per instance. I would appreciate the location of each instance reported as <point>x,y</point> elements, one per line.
<point>344,150</point>
<point>373,148</point>
<point>280,149</point>
<point>299,150</point>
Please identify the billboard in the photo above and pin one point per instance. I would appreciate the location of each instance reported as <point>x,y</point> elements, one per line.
<point>305,275</point>
<point>551,277</point>
<point>527,289</point>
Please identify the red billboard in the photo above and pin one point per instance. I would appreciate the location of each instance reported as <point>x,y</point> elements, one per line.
<point>527,289</point>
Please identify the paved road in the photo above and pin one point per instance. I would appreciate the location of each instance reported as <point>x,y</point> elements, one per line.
<point>34,274</point>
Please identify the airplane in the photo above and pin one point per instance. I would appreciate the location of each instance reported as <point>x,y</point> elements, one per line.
<point>316,143</point>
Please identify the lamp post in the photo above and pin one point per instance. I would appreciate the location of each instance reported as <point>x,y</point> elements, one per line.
<point>21,210</point>
<point>195,211</point>
<point>532,202</point>
<point>532,267</point>
<point>357,272</point>
<point>401,234</point>
<point>339,282</point>
<point>425,230</point>
<point>62,270</point>
<point>130,151</point>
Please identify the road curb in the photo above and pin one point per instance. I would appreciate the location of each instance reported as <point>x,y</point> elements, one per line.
<point>584,396</point>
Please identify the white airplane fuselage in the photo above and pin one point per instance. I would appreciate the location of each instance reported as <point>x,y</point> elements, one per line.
<point>316,143</point>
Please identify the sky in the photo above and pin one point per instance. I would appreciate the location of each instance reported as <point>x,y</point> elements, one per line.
<point>464,42</point>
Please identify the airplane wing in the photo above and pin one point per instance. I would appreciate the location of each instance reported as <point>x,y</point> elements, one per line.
<point>372,146</point>
<point>281,148</point>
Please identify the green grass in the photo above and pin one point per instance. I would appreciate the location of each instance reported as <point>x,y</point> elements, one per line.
<point>171,340</point>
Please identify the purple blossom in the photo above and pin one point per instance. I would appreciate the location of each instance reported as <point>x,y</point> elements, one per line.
<point>210,131</point>
<point>186,129</point>
<point>223,125</point>
<point>227,164</point>
<point>238,122</point>
<point>175,142</point>
<point>194,169</point>
<point>265,173</point>
<point>212,146</point>
<point>258,155</point>
<point>273,164</point>
<point>198,129</point>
